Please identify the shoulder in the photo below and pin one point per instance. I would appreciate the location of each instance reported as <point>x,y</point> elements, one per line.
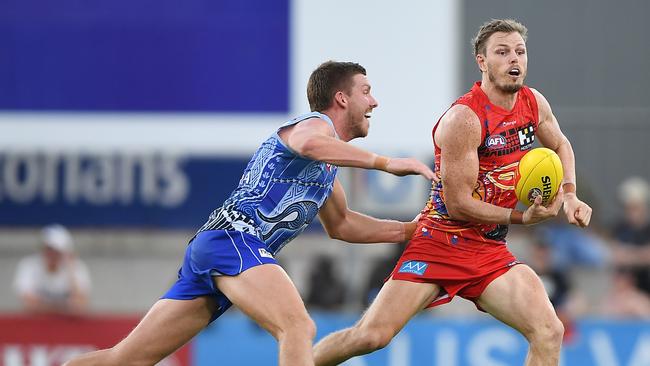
<point>316,126</point>
<point>473,97</point>
<point>460,116</point>
<point>315,122</point>
<point>297,133</point>
<point>460,123</point>
<point>542,104</point>
<point>539,97</point>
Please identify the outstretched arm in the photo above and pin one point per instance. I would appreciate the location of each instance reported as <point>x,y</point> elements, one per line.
<point>458,136</point>
<point>577,212</point>
<point>344,224</point>
<point>314,139</point>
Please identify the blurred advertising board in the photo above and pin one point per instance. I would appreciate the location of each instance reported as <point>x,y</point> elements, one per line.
<point>98,189</point>
<point>235,340</point>
<point>153,55</point>
<point>52,340</point>
<point>437,342</point>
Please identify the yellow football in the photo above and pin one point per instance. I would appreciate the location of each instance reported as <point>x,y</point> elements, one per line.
<point>540,173</point>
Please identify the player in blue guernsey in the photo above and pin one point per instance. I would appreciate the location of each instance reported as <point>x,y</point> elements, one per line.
<point>289,179</point>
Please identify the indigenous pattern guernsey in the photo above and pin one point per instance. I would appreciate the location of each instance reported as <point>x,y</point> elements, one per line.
<point>278,195</point>
<point>507,136</point>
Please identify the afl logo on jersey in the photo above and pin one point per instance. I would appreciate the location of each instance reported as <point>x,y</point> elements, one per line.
<point>495,142</point>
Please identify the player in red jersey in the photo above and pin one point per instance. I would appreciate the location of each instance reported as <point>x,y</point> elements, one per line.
<point>459,245</point>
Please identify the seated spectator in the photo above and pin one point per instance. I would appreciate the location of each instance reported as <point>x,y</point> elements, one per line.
<point>53,281</point>
<point>632,233</point>
<point>326,289</point>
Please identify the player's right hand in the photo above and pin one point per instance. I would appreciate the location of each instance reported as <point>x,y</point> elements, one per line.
<point>409,166</point>
<point>537,212</point>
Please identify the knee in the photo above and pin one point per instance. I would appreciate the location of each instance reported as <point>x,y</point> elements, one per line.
<point>309,328</point>
<point>302,326</point>
<point>373,338</point>
<point>548,334</point>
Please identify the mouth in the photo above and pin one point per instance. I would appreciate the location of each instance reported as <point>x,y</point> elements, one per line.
<point>514,72</point>
<point>368,115</point>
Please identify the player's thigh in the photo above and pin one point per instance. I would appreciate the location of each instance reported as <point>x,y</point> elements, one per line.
<point>266,294</point>
<point>396,303</point>
<point>167,326</point>
<point>518,298</point>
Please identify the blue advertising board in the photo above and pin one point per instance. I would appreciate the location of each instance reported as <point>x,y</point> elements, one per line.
<point>114,189</point>
<point>149,55</point>
<point>235,340</point>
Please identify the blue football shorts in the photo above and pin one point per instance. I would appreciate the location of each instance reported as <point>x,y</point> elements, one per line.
<point>216,253</point>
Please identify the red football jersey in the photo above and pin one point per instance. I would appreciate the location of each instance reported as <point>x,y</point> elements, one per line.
<point>507,136</point>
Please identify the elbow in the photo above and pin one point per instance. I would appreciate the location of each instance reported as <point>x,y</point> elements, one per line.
<point>335,234</point>
<point>457,211</point>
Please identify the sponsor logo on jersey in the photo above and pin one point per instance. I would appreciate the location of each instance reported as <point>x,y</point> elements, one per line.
<point>414,267</point>
<point>526,137</point>
<point>264,253</point>
<point>495,142</point>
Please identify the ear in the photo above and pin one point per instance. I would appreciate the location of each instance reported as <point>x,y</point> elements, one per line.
<point>341,99</point>
<point>480,61</point>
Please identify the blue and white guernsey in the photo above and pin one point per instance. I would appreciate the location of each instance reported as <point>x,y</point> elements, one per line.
<point>279,193</point>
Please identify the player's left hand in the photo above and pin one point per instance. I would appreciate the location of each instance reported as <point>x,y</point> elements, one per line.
<point>577,212</point>
<point>408,166</point>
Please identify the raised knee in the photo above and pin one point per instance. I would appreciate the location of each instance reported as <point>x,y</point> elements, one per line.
<point>310,328</point>
<point>548,333</point>
<point>302,326</point>
<point>374,338</point>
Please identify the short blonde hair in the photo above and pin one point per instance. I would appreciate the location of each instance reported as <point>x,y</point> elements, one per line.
<point>494,26</point>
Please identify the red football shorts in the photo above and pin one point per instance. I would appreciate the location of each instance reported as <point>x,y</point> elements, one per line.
<point>464,268</point>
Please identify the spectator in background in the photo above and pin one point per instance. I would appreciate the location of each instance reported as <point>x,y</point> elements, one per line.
<point>379,272</point>
<point>567,301</point>
<point>326,290</point>
<point>632,234</point>
<point>624,299</point>
<point>559,249</point>
<point>556,281</point>
<point>53,281</point>
<point>570,246</point>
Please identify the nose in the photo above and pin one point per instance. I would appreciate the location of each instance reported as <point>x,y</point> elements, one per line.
<point>374,103</point>
<point>514,58</point>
